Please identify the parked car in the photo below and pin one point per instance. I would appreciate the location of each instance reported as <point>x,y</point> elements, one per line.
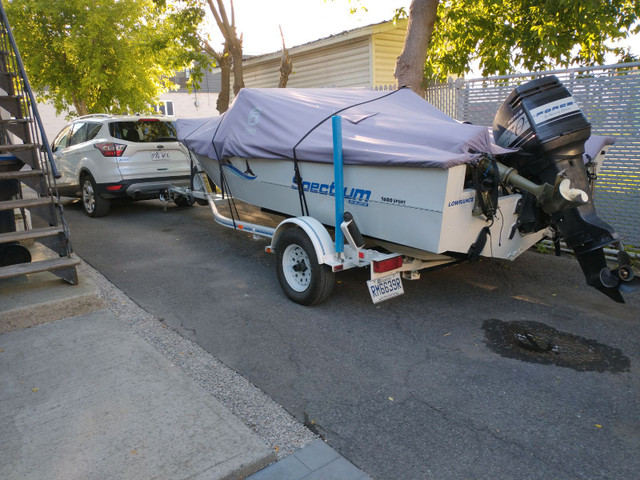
<point>101,157</point>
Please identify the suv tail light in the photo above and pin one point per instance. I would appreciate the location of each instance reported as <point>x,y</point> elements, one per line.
<point>110,149</point>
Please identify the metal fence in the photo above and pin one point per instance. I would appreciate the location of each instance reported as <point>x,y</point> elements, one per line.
<point>610,99</point>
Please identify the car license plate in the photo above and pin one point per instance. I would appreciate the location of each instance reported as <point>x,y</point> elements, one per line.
<point>384,288</point>
<point>160,155</point>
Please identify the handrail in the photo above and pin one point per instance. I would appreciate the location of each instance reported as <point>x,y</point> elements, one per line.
<point>32,100</point>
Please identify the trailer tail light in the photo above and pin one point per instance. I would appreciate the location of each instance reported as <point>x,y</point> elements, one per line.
<point>387,265</point>
<point>110,149</point>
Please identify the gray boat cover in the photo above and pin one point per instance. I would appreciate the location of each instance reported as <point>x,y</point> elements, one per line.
<point>396,128</point>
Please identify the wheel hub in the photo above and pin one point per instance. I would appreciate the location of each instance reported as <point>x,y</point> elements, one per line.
<point>300,267</point>
<point>88,196</point>
<point>296,268</point>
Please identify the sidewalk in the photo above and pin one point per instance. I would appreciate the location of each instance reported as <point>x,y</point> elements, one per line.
<point>84,396</point>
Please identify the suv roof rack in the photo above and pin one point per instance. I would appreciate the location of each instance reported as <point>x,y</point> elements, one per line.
<point>95,115</point>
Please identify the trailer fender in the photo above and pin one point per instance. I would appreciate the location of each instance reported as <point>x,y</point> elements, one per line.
<point>317,233</point>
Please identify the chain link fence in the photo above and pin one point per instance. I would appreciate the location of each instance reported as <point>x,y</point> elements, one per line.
<point>610,98</point>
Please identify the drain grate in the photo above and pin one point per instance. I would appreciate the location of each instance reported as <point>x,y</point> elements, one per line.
<point>539,343</point>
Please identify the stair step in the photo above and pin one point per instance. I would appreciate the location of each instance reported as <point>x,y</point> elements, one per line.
<point>49,265</point>
<point>30,234</point>
<point>13,121</point>
<point>6,81</point>
<point>18,147</point>
<point>19,127</point>
<point>20,174</point>
<point>27,203</point>
<point>12,104</point>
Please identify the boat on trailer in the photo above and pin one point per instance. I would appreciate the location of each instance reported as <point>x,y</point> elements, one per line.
<point>385,180</point>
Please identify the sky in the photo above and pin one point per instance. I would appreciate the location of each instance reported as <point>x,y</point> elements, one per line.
<point>304,21</point>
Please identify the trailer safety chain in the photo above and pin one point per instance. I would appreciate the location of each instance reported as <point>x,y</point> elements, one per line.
<point>164,200</point>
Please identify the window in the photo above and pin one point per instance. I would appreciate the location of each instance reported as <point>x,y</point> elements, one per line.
<point>62,139</point>
<point>165,107</point>
<point>92,130</point>
<point>78,133</point>
<point>151,130</point>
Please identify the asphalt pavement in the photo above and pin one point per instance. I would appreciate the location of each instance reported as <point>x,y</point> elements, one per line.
<point>84,396</point>
<point>409,388</point>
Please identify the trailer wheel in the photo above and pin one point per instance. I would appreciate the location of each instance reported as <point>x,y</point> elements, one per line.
<point>302,278</point>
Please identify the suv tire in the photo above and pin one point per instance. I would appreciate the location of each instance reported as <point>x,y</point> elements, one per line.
<point>92,203</point>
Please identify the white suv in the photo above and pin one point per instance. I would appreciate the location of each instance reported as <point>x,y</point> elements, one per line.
<point>101,157</point>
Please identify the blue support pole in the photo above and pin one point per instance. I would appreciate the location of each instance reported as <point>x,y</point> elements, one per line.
<point>336,122</point>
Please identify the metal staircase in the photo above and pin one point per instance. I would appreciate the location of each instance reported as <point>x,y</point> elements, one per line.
<point>30,209</point>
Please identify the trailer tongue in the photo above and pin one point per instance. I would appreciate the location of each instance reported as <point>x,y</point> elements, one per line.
<point>418,190</point>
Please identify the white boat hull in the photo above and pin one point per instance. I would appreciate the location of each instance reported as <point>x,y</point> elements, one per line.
<point>427,209</point>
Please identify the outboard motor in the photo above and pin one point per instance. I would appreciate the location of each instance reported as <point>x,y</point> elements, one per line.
<point>542,119</point>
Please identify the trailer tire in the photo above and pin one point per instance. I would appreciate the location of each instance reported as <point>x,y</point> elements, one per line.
<point>303,279</point>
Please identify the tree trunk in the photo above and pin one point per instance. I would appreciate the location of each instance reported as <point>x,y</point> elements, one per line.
<point>80,106</point>
<point>409,69</point>
<point>238,77</point>
<point>232,42</point>
<point>224,62</point>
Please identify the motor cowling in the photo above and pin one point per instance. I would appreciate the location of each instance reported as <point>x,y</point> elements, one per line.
<point>542,119</point>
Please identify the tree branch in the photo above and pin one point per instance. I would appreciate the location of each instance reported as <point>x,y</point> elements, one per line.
<point>286,65</point>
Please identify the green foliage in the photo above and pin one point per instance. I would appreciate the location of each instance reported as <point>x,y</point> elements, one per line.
<point>506,35</point>
<point>98,56</point>
<point>542,247</point>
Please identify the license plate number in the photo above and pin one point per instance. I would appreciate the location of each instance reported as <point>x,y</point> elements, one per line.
<point>384,288</point>
<point>160,155</point>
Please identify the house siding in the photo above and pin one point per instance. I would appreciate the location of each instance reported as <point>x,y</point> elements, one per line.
<point>343,64</point>
<point>387,47</point>
<point>364,57</point>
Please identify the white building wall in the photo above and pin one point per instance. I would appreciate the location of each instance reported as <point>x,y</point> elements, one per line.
<point>52,122</point>
<point>192,105</point>
<point>344,64</point>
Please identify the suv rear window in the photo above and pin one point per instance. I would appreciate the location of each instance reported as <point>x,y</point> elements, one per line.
<point>144,131</point>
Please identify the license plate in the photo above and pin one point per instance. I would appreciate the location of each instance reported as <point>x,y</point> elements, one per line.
<point>384,288</point>
<point>160,155</point>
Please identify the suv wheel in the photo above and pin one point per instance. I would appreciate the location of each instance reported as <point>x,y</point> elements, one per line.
<point>94,205</point>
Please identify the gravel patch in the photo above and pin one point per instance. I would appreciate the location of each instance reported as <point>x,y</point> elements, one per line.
<point>277,428</point>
